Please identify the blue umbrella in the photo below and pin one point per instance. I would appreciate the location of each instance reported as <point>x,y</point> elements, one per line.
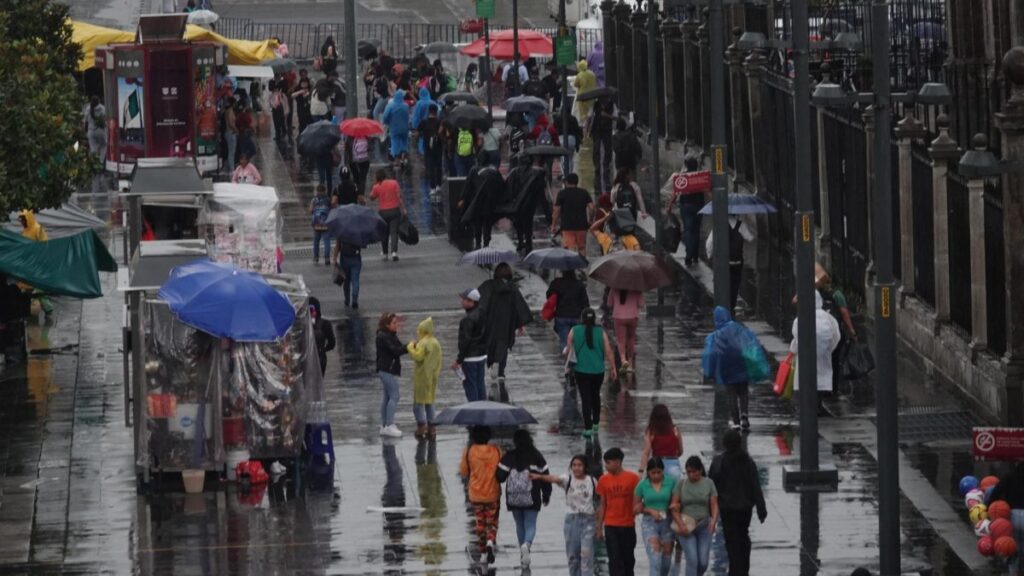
<point>485,413</point>
<point>228,302</point>
<point>556,259</point>
<point>488,256</point>
<point>356,225</point>
<point>744,204</point>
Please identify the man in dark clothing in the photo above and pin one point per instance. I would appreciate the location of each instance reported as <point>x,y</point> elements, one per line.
<point>573,210</point>
<point>626,147</point>
<point>553,89</point>
<point>323,331</point>
<point>484,190</point>
<point>529,187</point>
<point>535,87</point>
<point>572,299</point>
<point>433,148</point>
<point>739,491</point>
<point>601,136</point>
<point>472,358</point>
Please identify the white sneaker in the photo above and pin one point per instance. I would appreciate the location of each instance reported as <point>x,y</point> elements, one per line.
<point>524,556</point>
<point>391,431</point>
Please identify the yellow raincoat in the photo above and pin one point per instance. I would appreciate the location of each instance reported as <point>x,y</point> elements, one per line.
<point>426,355</point>
<point>33,229</point>
<point>585,82</point>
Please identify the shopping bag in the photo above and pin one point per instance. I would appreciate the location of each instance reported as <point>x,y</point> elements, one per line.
<point>407,232</point>
<point>782,376</point>
<point>672,234</point>
<point>787,393</point>
<point>548,311</point>
<point>859,362</point>
<point>338,276</point>
<point>756,363</point>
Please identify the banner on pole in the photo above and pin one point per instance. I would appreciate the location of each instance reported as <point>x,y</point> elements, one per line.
<point>485,8</point>
<point>565,50</point>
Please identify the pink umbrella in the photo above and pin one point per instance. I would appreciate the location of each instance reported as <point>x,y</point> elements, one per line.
<point>531,43</point>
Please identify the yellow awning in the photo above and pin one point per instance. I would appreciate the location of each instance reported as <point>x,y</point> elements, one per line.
<point>91,36</point>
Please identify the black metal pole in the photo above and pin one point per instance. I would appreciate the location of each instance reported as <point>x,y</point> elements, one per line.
<point>652,120</point>
<point>885,322</point>
<point>719,186</point>
<point>563,30</point>
<point>804,238</point>
<point>487,67</point>
<point>514,73</point>
<point>351,61</point>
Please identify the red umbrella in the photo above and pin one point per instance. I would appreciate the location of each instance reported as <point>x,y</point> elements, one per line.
<point>361,128</point>
<point>531,43</point>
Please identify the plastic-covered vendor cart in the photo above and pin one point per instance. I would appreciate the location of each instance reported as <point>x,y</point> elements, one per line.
<point>242,225</point>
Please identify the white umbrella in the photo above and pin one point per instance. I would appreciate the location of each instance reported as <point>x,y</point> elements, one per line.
<point>202,17</point>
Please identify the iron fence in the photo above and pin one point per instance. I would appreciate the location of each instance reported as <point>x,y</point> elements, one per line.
<point>959,253</point>
<point>924,225</point>
<point>846,172</point>
<point>995,268</point>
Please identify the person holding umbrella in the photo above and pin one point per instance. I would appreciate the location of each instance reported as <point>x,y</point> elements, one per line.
<point>505,312</point>
<point>357,132</point>
<point>738,234</point>
<point>625,306</point>
<point>588,344</point>
<point>585,81</point>
<point>389,369</point>
<point>527,181</point>
<point>479,465</point>
<point>391,208</point>
<point>524,495</point>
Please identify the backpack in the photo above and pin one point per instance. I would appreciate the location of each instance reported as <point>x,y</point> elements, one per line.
<point>622,222</point>
<point>544,137</point>
<point>519,488</point>
<point>317,106</point>
<point>321,208</point>
<point>360,150</point>
<point>465,143</point>
<point>626,198</point>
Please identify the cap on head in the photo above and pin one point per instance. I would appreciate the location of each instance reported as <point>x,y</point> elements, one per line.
<point>472,294</point>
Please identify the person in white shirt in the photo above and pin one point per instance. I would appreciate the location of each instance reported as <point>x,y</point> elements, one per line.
<point>580,489</point>
<point>738,234</point>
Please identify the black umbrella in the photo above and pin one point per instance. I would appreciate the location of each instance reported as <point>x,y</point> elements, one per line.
<point>547,150</point>
<point>485,413</point>
<point>556,259</point>
<point>439,48</point>
<point>452,97</point>
<point>367,48</point>
<point>281,65</point>
<point>526,104</point>
<point>356,225</point>
<point>469,117</point>
<point>318,138</point>
<point>606,91</point>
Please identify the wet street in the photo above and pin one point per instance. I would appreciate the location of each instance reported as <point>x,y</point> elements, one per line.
<point>69,503</point>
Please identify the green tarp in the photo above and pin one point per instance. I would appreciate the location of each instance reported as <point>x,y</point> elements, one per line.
<point>66,266</point>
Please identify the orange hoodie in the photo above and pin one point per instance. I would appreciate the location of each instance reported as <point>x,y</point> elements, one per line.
<point>480,463</point>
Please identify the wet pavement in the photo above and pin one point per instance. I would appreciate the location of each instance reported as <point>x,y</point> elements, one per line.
<point>69,502</point>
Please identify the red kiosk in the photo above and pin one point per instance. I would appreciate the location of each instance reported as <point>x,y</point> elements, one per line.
<point>161,96</point>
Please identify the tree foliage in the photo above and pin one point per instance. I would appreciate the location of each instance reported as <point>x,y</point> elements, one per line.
<point>43,108</point>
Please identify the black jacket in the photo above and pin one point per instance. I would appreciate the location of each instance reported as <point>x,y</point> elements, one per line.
<point>472,336</point>
<point>627,149</point>
<point>324,333</point>
<point>389,351</point>
<point>572,297</point>
<point>541,491</point>
<point>735,477</point>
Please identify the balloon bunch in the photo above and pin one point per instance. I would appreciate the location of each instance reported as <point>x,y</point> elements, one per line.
<point>991,520</point>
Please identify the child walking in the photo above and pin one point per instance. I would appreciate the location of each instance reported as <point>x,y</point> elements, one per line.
<point>479,465</point>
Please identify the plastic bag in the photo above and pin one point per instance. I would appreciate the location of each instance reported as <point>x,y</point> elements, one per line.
<point>787,392</point>
<point>548,311</point>
<point>756,363</point>
<point>782,376</point>
<point>407,232</point>
<point>859,362</point>
<point>672,235</point>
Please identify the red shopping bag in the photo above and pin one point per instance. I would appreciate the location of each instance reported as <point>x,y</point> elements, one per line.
<point>785,367</point>
<point>548,311</point>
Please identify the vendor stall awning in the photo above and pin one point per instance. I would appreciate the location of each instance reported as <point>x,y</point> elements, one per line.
<point>167,180</point>
<point>67,220</point>
<point>250,71</point>
<point>153,261</point>
<point>66,266</point>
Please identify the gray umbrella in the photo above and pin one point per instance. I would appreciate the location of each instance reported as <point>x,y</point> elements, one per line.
<point>318,138</point>
<point>485,413</point>
<point>547,150</point>
<point>439,48</point>
<point>469,117</point>
<point>452,97</point>
<point>526,104</point>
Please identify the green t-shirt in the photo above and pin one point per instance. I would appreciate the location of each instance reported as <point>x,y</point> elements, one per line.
<point>695,497</point>
<point>588,360</point>
<point>839,299</point>
<point>656,499</point>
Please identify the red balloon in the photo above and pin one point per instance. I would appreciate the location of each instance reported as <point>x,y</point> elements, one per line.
<point>988,481</point>
<point>1006,546</point>
<point>999,509</point>
<point>1000,528</point>
<point>985,546</point>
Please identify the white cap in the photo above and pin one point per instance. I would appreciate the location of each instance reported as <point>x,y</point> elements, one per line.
<point>472,294</point>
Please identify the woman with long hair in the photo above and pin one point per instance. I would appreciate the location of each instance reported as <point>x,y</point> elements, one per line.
<point>625,306</point>
<point>524,494</point>
<point>389,369</point>
<point>662,440</point>
<point>626,193</point>
<point>589,349</point>
<point>580,488</point>
<point>651,500</point>
<point>329,56</point>
<point>695,511</point>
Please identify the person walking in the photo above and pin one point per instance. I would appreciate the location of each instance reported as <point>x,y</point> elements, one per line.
<point>578,528</point>
<point>425,352</point>
<point>349,258</point>
<point>695,512</point>
<point>483,190</point>
<point>479,465</point>
<point>834,302</point>
<point>396,118</point>
<point>432,145</point>
<point>626,148</point>
<point>319,208</point>
<point>599,124</point>
<point>625,306</point>
<point>329,56</point>
<point>690,204</point>
<point>739,489</point>
<point>279,109</point>
<point>346,193</point>
<point>357,152</point>
<point>505,313</point>
<point>826,331</point>
<point>651,501</point>
<point>573,139</point>
<point>300,95</point>
<point>523,495</point>
<point>323,331</point>
<point>246,172</point>
<point>391,208</point>
<point>585,81</point>
<point>616,523</point>
<point>626,194</point>
<point>419,113</point>
<point>490,147</point>
<point>725,360</point>
<point>574,208</point>
<point>571,300</point>
<point>389,369</point>
<point>662,440</point>
<point>96,127</point>
<point>738,234</point>
<point>588,344</point>
<point>472,356</point>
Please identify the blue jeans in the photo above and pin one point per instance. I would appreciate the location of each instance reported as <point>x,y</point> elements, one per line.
<point>424,413</point>
<point>660,531</point>
<point>690,214</point>
<point>463,164</point>
<point>474,382</point>
<point>567,161</point>
<point>389,400</point>
<point>351,266</point>
<point>697,549</point>
<point>562,327</point>
<point>325,237</point>
<point>232,139</point>
<point>579,543</point>
<point>526,524</point>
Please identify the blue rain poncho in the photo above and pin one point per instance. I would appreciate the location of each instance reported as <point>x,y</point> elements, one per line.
<point>732,354</point>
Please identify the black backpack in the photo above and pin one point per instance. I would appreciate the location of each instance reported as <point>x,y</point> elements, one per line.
<point>626,198</point>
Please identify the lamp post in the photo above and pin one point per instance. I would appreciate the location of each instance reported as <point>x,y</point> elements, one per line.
<point>719,186</point>
<point>351,60</point>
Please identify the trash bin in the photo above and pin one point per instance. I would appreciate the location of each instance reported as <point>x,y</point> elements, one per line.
<point>458,234</point>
